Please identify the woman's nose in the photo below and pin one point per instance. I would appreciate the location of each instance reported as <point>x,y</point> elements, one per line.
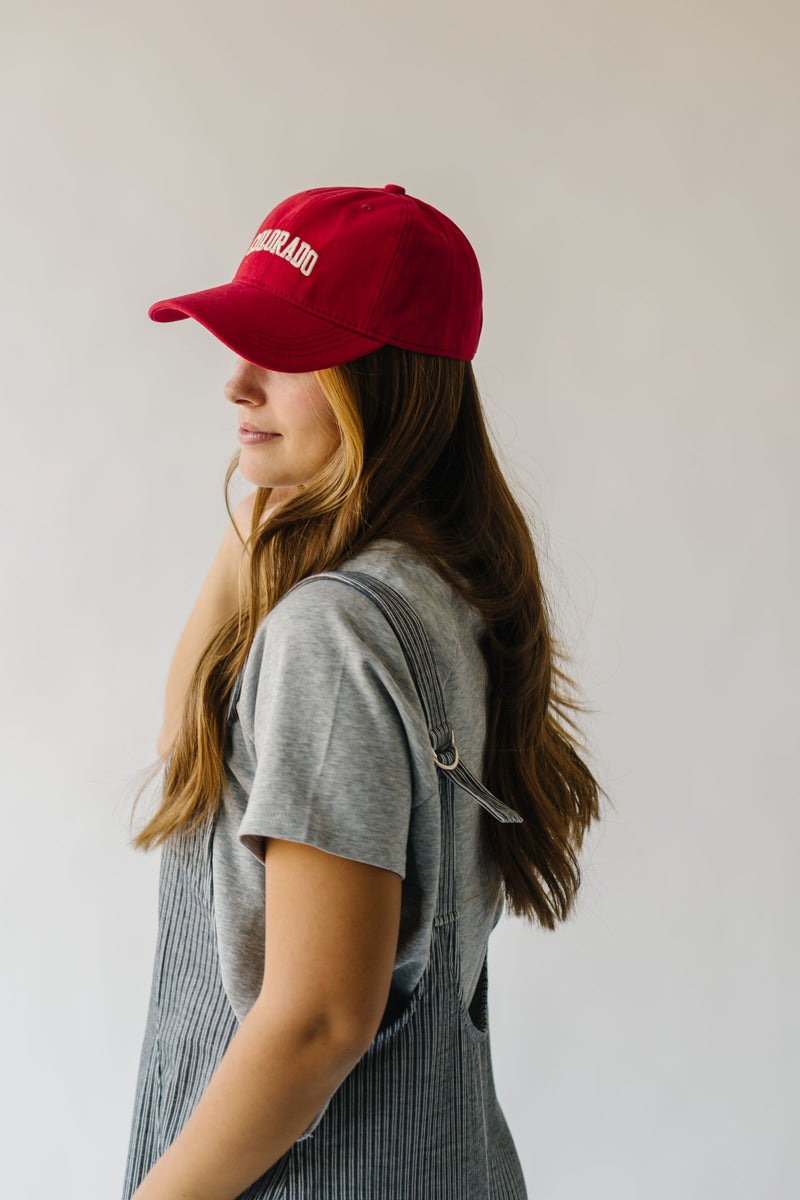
<point>245,385</point>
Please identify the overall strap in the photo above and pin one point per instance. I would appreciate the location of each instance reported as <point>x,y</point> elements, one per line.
<point>413,639</point>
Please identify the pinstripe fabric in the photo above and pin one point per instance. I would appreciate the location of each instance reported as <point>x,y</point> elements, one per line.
<point>418,1117</point>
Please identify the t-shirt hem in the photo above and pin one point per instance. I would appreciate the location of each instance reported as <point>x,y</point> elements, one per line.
<point>255,840</point>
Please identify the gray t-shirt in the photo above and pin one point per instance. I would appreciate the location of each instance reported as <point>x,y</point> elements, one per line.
<point>327,745</point>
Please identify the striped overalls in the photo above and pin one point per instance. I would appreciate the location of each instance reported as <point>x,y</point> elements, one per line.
<point>417,1117</point>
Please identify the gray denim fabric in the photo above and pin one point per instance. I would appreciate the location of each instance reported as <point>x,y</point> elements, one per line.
<point>418,1116</point>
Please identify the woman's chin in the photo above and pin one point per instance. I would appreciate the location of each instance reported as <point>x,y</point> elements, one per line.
<point>256,474</point>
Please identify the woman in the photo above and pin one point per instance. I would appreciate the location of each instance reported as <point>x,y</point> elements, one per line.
<point>365,739</point>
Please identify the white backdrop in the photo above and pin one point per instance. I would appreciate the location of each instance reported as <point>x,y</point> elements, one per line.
<point>628,175</point>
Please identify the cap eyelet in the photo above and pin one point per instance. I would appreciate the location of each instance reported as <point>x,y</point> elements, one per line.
<point>367,207</point>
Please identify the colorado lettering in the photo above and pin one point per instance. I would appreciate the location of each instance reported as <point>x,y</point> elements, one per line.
<point>298,253</point>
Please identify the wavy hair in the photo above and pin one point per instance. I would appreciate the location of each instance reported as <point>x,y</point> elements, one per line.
<point>415,462</point>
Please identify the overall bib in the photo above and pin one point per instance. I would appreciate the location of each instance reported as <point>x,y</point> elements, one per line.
<point>417,1118</point>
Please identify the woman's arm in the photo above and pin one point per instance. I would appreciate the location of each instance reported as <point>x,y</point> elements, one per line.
<point>217,601</point>
<point>331,937</point>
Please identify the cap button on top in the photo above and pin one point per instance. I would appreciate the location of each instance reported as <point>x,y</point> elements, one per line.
<point>395,187</point>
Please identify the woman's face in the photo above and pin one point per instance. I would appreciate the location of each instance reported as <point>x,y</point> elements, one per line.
<point>296,414</point>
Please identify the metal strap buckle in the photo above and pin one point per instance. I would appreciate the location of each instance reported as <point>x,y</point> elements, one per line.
<point>447,766</point>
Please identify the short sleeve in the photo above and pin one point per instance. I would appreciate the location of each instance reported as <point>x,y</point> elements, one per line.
<point>326,700</point>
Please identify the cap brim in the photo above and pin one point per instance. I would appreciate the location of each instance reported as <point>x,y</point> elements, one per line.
<point>266,329</point>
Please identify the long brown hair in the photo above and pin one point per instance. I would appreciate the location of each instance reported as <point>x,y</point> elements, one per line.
<point>415,462</point>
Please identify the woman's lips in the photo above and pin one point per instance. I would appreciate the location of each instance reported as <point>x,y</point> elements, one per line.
<point>252,436</point>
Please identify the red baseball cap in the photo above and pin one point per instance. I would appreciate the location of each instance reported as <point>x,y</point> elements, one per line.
<point>333,273</point>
